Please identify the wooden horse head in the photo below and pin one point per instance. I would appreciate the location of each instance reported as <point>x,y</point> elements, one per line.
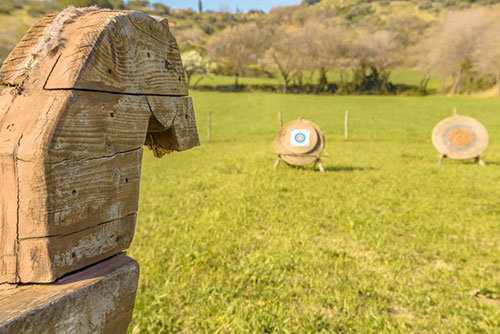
<point>86,89</point>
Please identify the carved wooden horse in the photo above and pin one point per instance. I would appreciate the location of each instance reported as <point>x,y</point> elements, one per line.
<point>86,89</point>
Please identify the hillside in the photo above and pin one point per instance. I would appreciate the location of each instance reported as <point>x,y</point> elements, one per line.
<point>362,42</point>
<point>194,29</point>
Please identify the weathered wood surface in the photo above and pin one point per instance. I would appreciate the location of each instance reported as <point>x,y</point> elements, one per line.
<point>66,253</point>
<point>99,299</point>
<point>178,126</point>
<point>91,87</point>
<point>65,197</point>
<point>133,53</point>
<point>113,51</point>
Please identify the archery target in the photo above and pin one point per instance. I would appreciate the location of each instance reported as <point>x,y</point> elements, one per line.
<point>299,142</point>
<point>460,137</point>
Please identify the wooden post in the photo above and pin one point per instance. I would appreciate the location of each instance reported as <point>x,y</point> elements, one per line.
<point>480,160</point>
<point>280,117</point>
<point>320,165</point>
<point>455,112</point>
<point>346,125</point>
<point>440,158</point>
<point>209,130</point>
<point>277,163</point>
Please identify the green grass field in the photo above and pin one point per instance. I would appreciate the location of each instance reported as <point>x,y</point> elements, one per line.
<point>386,241</point>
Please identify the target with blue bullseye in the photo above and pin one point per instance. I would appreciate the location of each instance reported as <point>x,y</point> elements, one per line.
<point>299,142</point>
<point>299,137</point>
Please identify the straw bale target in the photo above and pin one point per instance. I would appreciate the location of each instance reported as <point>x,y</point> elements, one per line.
<point>460,137</point>
<point>299,143</point>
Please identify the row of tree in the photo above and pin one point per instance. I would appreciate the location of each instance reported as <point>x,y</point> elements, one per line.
<point>463,48</point>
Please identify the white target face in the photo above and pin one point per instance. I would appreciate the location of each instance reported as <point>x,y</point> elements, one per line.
<point>299,137</point>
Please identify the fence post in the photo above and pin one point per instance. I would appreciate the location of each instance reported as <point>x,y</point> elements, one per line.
<point>209,129</point>
<point>346,125</point>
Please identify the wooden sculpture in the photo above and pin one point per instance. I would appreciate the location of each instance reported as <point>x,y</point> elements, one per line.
<point>460,137</point>
<point>299,143</point>
<point>84,91</point>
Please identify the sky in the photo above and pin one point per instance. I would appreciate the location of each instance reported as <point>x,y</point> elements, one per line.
<point>243,5</point>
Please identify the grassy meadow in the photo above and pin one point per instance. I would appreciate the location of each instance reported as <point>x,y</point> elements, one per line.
<point>386,241</point>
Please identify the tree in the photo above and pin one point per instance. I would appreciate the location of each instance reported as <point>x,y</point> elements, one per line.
<point>200,7</point>
<point>87,3</point>
<point>194,63</point>
<point>235,48</point>
<point>407,28</point>
<point>188,39</point>
<point>283,15</point>
<point>448,49</point>
<point>324,48</point>
<point>377,54</point>
<point>486,56</point>
<point>310,2</point>
<point>139,5</point>
<point>285,53</point>
<point>161,9</point>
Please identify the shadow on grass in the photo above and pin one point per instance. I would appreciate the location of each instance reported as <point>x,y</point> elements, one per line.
<point>488,162</point>
<point>346,168</point>
<point>470,162</point>
<point>331,168</point>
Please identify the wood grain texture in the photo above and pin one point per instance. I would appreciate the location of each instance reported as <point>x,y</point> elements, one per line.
<point>98,299</point>
<point>67,253</point>
<point>130,52</point>
<point>88,150</point>
<point>73,195</point>
<point>13,130</point>
<point>8,205</point>
<point>95,125</point>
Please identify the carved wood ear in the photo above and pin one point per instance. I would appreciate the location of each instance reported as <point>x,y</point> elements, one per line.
<point>172,125</point>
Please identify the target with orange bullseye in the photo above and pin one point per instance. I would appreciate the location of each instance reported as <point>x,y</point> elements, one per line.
<point>460,137</point>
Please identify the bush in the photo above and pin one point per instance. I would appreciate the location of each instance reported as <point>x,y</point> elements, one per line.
<point>206,28</point>
<point>87,3</point>
<point>7,6</point>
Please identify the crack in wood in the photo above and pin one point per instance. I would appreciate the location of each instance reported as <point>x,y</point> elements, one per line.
<point>93,158</point>
<point>108,92</point>
<point>62,235</point>
<point>16,165</point>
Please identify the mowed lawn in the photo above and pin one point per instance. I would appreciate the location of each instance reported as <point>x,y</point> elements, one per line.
<point>386,241</point>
